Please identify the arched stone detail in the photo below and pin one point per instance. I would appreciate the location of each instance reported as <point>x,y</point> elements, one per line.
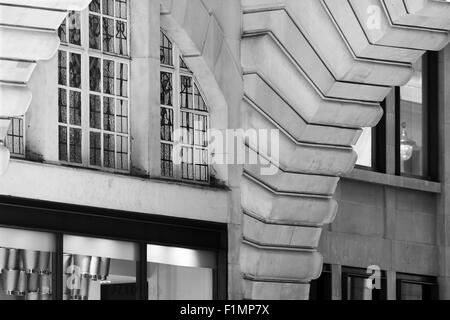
<point>332,38</point>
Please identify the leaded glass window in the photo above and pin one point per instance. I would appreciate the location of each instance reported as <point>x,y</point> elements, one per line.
<point>15,141</point>
<point>108,26</point>
<point>182,108</point>
<point>166,50</point>
<point>69,31</point>
<point>69,106</point>
<point>93,80</point>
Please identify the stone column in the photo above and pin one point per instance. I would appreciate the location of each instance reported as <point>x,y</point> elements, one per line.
<point>145,105</point>
<point>443,216</point>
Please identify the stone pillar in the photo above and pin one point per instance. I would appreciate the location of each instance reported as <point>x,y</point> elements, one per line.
<point>443,216</point>
<point>391,279</point>
<point>145,107</point>
<point>336,282</point>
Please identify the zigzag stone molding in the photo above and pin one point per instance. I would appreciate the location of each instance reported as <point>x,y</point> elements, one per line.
<point>335,39</point>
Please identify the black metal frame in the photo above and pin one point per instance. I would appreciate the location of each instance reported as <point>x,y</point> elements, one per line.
<point>143,229</point>
<point>378,145</point>
<point>377,294</point>
<point>430,288</point>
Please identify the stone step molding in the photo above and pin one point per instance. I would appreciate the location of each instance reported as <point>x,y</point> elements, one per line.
<point>267,103</point>
<point>347,23</point>
<point>390,35</point>
<point>260,263</point>
<point>284,29</point>
<point>400,16</point>
<point>262,56</point>
<point>281,235</point>
<point>266,53</point>
<point>297,209</point>
<point>428,8</point>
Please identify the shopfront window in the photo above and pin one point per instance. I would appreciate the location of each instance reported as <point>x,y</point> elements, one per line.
<point>358,285</point>
<point>320,289</point>
<point>26,260</point>
<point>413,126</point>
<point>99,269</point>
<point>411,287</point>
<point>180,274</point>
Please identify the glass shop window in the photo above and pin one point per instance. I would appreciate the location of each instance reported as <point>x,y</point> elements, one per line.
<point>410,287</point>
<point>26,260</point>
<point>413,126</point>
<point>99,269</point>
<point>357,285</point>
<point>320,289</point>
<point>180,274</point>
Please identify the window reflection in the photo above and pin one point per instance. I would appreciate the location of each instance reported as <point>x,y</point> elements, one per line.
<point>364,148</point>
<point>179,274</point>
<point>413,134</point>
<point>26,265</point>
<point>99,269</point>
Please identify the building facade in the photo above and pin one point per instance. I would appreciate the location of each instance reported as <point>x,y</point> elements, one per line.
<point>124,121</point>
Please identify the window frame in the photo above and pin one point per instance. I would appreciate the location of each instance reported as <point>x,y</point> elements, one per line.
<point>177,71</point>
<point>378,145</point>
<point>22,135</point>
<point>321,289</point>
<point>430,104</point>
<point>142,229</point>
<point>362,274</point>
<point>86,53</point>
<point>425,281</point>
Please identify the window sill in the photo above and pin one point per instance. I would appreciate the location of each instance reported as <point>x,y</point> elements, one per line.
<point>106,172</point>
<point>394,181</point>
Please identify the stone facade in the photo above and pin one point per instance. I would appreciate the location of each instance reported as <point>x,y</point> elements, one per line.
<point>317,71</point>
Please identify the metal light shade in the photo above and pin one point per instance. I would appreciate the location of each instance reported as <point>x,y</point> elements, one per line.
<point>21,284</point>
<point>67,262</point>
<point>13,259</point>
<point>44,262</point>
<point>5,156</point>
<point>30,260</point>
<point>84,291</point>
<point>45,296</point>
<point>45,284</point>
<point>94,269</point>
<point>407,145</point>
<point>33,282</point>
<point>3,259</point>
<point>104,268</point>
<point>82,262</point>
<point>10,281</point>
<point>32,296</point>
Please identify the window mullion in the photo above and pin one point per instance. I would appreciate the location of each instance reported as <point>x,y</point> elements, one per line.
<point>85,88</point>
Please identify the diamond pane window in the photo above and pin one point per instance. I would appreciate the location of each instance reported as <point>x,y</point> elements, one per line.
<point>15,137</point>
<point>94,32</point>
<point>102,63</point>
<point>74,24</point>
<point>186,111</point>
<point>166,50</point>
<point>166,89</point>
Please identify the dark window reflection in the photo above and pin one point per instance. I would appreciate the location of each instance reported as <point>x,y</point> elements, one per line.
<point>413,127</point>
